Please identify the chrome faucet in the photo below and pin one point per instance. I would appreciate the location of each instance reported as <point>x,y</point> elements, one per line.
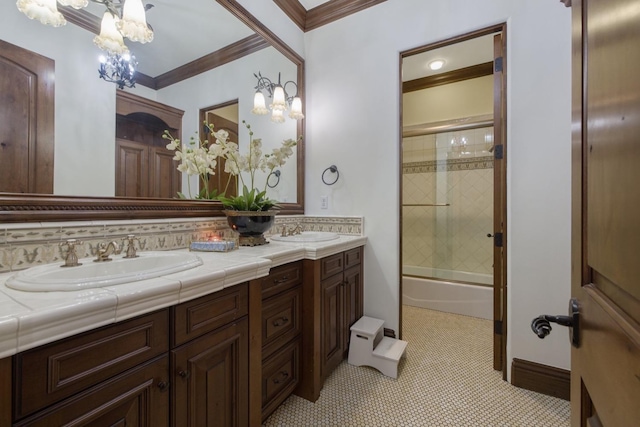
<point>105,250</point>
<point>131,246</point>
<point>71,260</point>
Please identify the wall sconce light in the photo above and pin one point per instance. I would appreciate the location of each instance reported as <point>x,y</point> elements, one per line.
<point>118,69</point>
<point>280,99</point>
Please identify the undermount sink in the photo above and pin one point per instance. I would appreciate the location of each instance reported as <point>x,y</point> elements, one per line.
<point>52,277</point>
<point>306,237</point>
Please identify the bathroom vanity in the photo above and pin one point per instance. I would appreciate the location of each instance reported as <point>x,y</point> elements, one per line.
<point>224,343</point>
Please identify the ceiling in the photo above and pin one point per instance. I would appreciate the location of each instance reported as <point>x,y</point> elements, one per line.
<point>460,55</point>
<point>183,31</point>
<point>310,4</point>
<point>186,31</point>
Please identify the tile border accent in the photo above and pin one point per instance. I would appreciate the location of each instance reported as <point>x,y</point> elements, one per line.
<point>448,165</point>
<point>29,244</point>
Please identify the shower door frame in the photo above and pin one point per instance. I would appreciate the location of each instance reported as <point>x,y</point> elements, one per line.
<point>500,183</point>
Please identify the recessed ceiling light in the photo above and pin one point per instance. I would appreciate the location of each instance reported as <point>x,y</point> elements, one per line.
<point>436,65</point>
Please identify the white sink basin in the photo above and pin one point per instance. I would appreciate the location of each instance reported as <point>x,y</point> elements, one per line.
<point>52,277</point>
<point>306,237</point>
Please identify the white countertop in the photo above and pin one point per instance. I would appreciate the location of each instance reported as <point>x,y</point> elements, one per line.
<point>31,319</point>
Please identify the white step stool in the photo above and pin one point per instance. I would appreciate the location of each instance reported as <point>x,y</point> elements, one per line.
<point>369,347</point>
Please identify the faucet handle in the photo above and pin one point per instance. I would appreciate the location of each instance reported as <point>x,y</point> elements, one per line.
<point>71,260</point>
<point>130,239</point>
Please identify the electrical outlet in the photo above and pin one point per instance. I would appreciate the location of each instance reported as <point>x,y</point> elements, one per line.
<point>324,202</point>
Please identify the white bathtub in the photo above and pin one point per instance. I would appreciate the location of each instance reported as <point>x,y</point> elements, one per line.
<point>451,297</point>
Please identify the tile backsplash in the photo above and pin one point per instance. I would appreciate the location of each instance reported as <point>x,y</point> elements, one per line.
<point>28,244</point>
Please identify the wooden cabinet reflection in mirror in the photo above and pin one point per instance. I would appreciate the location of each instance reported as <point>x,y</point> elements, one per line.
<point>26,121</point>
<point>144,167</point>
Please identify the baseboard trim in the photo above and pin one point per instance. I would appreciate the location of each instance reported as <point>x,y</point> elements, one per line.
<point>540,378</point>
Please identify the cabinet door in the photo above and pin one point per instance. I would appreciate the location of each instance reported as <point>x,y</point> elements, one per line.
<point>210,379</point>
<point>352,302</point>
<point>132,163</point>
<point>332,323</point>
<point>139,397</point>
<point>165,180</point>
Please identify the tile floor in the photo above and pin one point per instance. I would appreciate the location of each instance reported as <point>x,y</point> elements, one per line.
<point>446,379</point>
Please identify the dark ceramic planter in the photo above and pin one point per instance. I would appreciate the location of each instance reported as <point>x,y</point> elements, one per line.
<point>251,225</point>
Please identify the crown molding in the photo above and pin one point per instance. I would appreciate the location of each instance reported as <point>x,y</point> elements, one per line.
<point>237,50</point>
<point>227,54</point>
<point>324,14</point>
<point>472,72</point>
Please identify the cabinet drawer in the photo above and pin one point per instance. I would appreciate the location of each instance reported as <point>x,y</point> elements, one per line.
<point>139,394</point>
<point>281,278</point>
<point>280,320</point>
<point>352,257</point>
<point>280,376</point>
<point>331,265</point>
<point>195,318</point>
<point>58,370</point>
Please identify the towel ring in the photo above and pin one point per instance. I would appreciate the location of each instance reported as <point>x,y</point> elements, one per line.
<point>277,175</point>
<point>333,169</point>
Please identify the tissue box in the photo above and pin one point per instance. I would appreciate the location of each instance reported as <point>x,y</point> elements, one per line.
<point>213,246</point>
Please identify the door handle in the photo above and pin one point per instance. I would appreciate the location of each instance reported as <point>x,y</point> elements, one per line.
<point>541,325</point>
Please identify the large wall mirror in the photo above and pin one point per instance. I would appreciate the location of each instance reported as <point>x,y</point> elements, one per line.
<point>210,62</point>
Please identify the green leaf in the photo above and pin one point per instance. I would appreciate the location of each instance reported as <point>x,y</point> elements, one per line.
<point>249,200</point>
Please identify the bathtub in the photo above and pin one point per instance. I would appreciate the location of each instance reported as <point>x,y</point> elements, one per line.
<point>447,293</point>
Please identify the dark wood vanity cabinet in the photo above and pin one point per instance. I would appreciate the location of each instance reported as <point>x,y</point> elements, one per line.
<point>341,300</point>
<point>225,359</point>
<point>115,374</point>
<point>330,308</point>
<point>182,366</point>
<point>209,365</point>
<point>275,338</point>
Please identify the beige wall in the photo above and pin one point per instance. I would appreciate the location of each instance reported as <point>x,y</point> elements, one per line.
<point>473,97</point>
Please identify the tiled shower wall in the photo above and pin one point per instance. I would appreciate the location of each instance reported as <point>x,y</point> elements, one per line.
<point>450,175</point>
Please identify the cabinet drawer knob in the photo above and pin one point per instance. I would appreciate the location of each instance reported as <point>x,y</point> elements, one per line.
<point>278,281</point>
<point>282,376</point>
<point>163,385</point>
<point>184,374</point>
<point>280,321</point>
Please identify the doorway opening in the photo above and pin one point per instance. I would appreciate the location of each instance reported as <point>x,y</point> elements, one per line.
<point>453,179</point>
<point>223,117</point>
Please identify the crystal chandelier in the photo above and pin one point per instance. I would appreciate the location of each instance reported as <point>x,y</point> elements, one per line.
<point>280,99</point>
<point>118,69</point>
<point>122,18</point>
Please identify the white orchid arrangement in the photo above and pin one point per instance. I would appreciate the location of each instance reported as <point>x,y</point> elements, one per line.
<point>197,159</point>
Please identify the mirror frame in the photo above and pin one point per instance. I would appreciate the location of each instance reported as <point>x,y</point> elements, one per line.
<point>47,207</point>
